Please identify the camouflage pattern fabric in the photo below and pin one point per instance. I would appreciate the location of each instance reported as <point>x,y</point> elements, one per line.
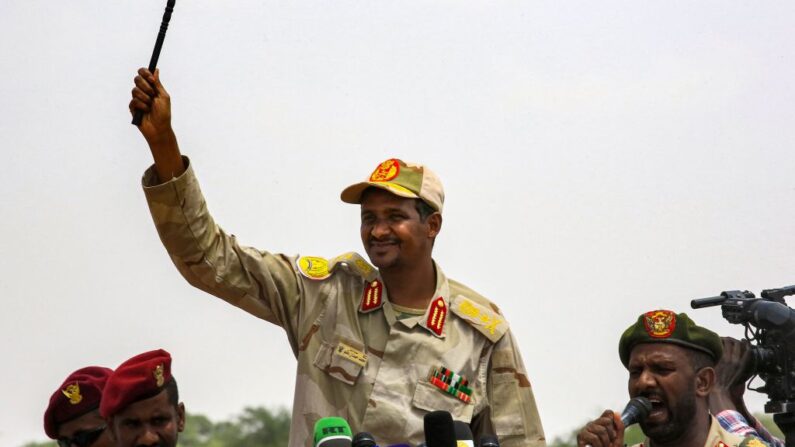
<point>355,359</point>
<point>718,437</point>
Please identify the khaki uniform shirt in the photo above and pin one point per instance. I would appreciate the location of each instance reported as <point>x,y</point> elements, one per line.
<point>718,437</point>
<point>356,360</point>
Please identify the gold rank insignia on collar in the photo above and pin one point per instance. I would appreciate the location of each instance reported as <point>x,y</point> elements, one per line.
<point>72,392</point>
<point>372,297</point>
<point>158,375</point>
<point>437,315</point>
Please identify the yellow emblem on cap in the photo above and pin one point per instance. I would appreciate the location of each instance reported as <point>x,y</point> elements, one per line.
<point>72,392</point>
<point>386,171</point>
<point>313,267</point>
<point>158,374</point>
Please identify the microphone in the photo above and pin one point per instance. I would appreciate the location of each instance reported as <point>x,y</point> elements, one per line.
<point>636,411</point>
<point>332,432</point>
<point>364,439</point>
<point>489,441</point>
<point>439,429</point>
<point>161,36</point>
<point>463,434</point>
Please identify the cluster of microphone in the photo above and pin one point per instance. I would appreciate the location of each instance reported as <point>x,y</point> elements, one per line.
<point>440,431</point>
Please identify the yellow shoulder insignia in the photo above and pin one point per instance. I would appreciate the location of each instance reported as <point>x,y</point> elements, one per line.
<point>313,267</point>
<point>751,441</point>
<point>486,321</point>
<point>354,263</point>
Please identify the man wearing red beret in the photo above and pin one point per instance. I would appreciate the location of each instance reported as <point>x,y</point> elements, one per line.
<point>141,402</point>
<point>72,417</point>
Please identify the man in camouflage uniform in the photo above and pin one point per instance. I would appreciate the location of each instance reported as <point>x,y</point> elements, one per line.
<point>671,361</point>
<point>381,346</point>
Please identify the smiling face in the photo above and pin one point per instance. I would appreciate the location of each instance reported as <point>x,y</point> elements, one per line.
<point>85,428</point>
<point>664,373</point>
<point>392,231</point>
<point>152,422</point>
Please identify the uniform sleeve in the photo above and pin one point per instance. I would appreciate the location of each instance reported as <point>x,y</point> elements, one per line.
<point>511,411</point>
<point>262,284</point>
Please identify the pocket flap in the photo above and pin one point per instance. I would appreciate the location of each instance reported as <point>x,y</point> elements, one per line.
<point>429,398</point>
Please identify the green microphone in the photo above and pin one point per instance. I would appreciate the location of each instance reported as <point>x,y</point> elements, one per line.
<point>333,432</point>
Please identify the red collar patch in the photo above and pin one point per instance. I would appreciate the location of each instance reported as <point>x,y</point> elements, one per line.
<point>372,296</point>
<point>659,323</point>
<point>437,315</point>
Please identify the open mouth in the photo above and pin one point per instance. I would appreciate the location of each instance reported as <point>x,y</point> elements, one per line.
<point>659,411</point>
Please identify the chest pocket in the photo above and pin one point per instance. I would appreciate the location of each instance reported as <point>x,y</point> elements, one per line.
<point>343,361</point>
<point>429,398</point>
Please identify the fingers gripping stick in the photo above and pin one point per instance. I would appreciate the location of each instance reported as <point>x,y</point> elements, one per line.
<point>161,36</point>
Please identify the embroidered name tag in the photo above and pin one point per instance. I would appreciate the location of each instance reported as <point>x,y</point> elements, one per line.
<point>350,353</point>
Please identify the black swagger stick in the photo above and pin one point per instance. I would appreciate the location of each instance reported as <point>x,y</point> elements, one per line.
<point>161,36</point>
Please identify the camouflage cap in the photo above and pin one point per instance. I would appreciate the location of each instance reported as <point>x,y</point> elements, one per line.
<point>402,179</point>
<point>664,326</point>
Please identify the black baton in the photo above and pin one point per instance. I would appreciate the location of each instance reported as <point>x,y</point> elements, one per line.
<point>161,36</point>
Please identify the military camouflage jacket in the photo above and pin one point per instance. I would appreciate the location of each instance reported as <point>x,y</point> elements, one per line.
<point>718,437</point>
<point>356,358</point>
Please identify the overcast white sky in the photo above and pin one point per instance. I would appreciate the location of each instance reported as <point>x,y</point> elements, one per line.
<point>600,159</point>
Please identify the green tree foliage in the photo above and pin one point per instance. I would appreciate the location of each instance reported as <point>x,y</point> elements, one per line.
<point>255,426</point>
<point>767,421</point>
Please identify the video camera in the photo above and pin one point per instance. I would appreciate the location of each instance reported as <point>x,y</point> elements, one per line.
<point>770,328</point>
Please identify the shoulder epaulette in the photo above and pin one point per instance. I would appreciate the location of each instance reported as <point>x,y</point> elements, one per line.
<point>483,319</point>
<point>354,264</point>
<point>317,268</point>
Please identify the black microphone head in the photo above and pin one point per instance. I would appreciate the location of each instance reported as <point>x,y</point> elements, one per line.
<point>489,441</point>
<point>439,429</point>
<point>636,410</point>
<point>363,439</point>
<point>463,434</point>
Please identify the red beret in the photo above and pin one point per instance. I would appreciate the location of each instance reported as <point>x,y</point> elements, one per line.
<point>79,394</point>
<point>140,377</point>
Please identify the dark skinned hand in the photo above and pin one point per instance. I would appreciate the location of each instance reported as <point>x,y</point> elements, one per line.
<point>607,431</point>
<point>150,97</point>
<point>731,373</point>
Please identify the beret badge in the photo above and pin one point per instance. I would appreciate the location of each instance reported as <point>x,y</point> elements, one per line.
<point>72,392</point>
<point>158,375</point>
<point>659,323</point>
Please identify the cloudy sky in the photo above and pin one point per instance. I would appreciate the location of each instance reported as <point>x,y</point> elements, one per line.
<point>600,159</point>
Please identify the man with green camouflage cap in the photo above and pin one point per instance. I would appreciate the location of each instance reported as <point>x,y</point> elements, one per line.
<point>671,362</point>
<point>379,344</point>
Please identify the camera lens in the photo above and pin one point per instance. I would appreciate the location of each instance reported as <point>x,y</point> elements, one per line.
<point>764,359</point>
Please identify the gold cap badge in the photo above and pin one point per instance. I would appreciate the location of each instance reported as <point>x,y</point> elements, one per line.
<point>72,392</point>
<point>158,374</point>
<point>660,323</point>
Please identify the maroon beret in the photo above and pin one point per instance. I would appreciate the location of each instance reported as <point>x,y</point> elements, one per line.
<point>140,377</point>
<point>79,394</point>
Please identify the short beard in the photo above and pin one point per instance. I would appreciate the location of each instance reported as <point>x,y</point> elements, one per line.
<point>682,417</point>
